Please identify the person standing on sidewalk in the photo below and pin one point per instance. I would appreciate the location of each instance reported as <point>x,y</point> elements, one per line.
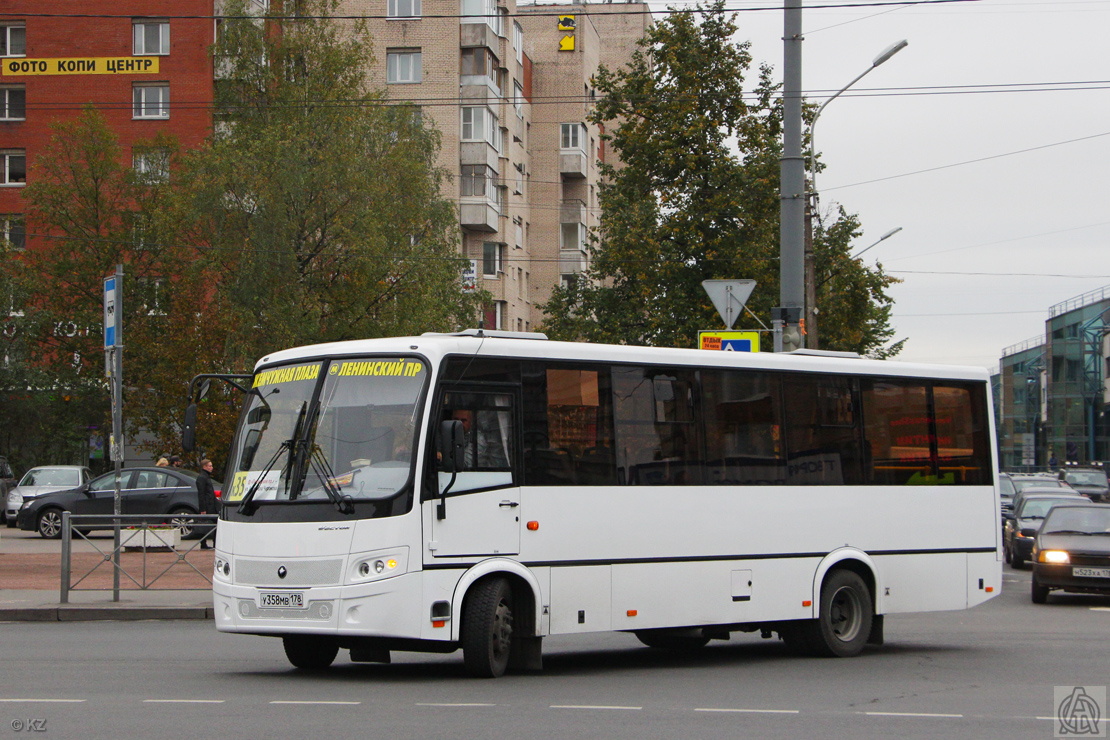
<point>206,498</point>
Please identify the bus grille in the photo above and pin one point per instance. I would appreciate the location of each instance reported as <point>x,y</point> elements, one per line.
<point>298,572</point>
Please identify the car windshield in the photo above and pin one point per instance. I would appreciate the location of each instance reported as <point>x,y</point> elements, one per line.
<point>1006,486</point>
<point>1037,508</point>
<point>1086,477</point>
<point>52,477</point>
<point>1090,520</point>
<point>1022,483</point>
<point>351,434</point>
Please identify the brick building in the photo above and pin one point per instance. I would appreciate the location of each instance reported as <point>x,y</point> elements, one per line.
<point>142,63</point>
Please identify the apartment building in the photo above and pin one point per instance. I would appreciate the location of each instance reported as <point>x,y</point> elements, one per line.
<point>509,89</point>
<point>142,63</point>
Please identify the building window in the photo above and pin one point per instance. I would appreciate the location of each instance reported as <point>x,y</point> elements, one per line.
<point>574,236</point>
<point>403,66</point>
<point>518,42</point>
<point>478,181</point>
<point>151,101</point>
<point>13,103</point>
<point>152,37</point>
<point>482,11</point>
<point>404,8</point>
<point>478,62</point>
<point>152,165</point>
<point>14,164</point>
<point>518,99</point>
<point>573,136</point>
<point>13,41</point>
<point>479,124</point>
<point>13,230</point>
<point>492,258</point>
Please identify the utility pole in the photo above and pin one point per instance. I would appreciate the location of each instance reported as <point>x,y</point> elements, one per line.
<point>787,316</point>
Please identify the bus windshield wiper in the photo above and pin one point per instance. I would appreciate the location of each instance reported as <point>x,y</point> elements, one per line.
<point>324,472</point>
<point>245,506</point>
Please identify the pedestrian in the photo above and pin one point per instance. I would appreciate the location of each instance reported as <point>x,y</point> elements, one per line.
<point>162,463</point>
<point>175,461</point>
<point>206,500</point>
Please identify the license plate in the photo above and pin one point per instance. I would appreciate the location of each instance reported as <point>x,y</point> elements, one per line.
<point>282,599</point>
<point>1091,572</point>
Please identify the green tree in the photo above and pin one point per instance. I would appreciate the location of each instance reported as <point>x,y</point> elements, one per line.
<point>695,197</point>
<point>318,203</point>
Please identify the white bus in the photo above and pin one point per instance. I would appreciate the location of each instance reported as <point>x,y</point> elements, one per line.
<point>484,490</point>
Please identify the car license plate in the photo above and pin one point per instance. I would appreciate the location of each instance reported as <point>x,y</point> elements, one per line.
<point>281,599</point>
<point>1091,572</point>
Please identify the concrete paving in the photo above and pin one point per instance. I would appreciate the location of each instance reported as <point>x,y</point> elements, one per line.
<point>30,581</point>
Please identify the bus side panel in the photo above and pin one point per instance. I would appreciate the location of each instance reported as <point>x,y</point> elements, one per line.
<point>581,599</point>
<point>653,595</point>
<point>984,577</point>
<point>922,583</point>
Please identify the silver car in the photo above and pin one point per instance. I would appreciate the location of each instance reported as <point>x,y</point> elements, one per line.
<point>42,480</point>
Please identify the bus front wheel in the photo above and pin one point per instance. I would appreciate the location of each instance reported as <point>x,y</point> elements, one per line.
<point>487,628</point>
<point>310,652</point>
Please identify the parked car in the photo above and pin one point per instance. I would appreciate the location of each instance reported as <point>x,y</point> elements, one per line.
<point>1022,524</point>
<point>1021,495</point>
<point>1091,482</point>
<point>1072,551</point>
<point>7,483</point>
<point>169,491</point>
<point>1025,480</point>
<point>42,480</point>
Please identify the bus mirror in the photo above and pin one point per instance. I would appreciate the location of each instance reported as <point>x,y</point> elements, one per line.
<point>189,430</point>
<point>259,415</point>
<point>451,441</point>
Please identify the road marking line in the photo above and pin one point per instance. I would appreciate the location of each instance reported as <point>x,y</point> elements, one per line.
<point>911,714</point>
<point>459,704</point>
<point>44,701</point>
<point>276,701</point>
<point>183,701</point>
<point>1100,608</point>
<point>588,706</point>
<point>751,711</point>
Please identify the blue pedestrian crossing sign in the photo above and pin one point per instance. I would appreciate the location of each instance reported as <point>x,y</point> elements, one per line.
<point>729,341</point>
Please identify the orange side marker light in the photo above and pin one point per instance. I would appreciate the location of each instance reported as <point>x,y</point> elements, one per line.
<point>631,612</point>
<point>807,603</point>
<point>533,526</point>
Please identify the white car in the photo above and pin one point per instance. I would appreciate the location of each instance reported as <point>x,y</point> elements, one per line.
<point>42,480</point>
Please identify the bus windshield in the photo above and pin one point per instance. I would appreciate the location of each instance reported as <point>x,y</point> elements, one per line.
<point>328,430</point>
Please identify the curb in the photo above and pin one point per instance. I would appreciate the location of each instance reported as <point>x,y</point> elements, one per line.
<point>69,613</point>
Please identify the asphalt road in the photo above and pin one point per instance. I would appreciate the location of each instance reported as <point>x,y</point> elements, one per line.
<point>984,673</point>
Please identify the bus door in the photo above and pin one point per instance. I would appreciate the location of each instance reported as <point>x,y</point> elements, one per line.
<point>476,509</point>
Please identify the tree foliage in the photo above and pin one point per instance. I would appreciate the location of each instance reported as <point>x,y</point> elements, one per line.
<point>694,196</point>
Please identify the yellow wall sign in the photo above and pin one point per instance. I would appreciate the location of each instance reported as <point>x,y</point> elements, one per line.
<point>729,341</point>
<point>568,24</point>
<point>80,66</point>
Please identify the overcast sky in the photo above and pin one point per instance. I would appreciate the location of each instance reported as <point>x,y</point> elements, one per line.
<point>987,247</point>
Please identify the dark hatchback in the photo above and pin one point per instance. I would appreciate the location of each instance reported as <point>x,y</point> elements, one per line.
<point>169,491</point>
<point>1072,551</point>
<point>1021,526</point>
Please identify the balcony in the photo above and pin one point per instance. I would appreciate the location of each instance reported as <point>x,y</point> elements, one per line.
<point>571,261</point>
<point>572,211</point>
<point>477,153</point>
<point>572,163</point>
<point>477,32</point>
<point>478,215</point>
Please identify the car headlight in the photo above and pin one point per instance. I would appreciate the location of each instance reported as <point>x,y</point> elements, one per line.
<point>1054,556</point>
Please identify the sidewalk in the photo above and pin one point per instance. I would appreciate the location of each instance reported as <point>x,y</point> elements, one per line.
<point>30,581</point>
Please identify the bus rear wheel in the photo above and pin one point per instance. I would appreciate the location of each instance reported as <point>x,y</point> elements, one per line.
<point>487,628</point>
<point>844,619</point>
<point>310,652</point>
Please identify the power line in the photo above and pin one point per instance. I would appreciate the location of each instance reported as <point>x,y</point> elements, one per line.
<point>998,274</point>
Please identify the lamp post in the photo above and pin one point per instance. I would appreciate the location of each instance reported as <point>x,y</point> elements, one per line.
<point>811,203</point>
<point>882,238</point>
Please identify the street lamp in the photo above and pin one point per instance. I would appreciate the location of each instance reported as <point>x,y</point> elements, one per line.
<point>882,238</point>
<point>811,203</point>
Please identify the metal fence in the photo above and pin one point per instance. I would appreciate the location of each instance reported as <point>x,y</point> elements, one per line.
<point>159,545</point>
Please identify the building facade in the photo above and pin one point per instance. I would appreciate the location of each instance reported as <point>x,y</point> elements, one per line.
<point>143,64</point>
<point>1053,389</point>
<point>508,88</point>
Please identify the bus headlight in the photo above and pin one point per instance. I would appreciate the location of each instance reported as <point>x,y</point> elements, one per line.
<point>378,566</point>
